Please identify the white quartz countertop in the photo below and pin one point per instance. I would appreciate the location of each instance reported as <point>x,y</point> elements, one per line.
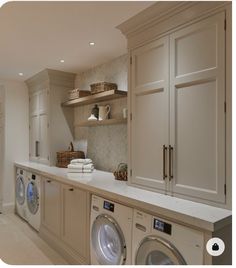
<point>102,183</point>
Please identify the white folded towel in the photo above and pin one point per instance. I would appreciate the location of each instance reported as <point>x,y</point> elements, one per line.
<point>81,160</point>
<point>80,166</point>
<point>74,170</point>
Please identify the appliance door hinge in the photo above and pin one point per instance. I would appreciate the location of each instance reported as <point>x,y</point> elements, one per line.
<point>130,59</point>
<point>225,25</point>
<point>225,106</point>
<point>225,189</point>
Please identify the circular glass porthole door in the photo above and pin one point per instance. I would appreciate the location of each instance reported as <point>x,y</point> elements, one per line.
<point>32,197</point>
<point>108,241</point>
<point>157,251</point>
<point>20,190</point>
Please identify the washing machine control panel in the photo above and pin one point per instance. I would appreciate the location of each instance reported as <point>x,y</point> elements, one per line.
<point>162,226</point>
<point>108,205</point>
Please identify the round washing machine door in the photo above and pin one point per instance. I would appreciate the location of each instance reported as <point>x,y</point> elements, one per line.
<point>108,241</point>
<point>20,190</point>
<point>32,197</point>
<point>154,250</point>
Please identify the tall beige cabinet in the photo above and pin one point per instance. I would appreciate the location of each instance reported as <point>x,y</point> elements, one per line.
<point>178,100</point>
<point>51,126</point>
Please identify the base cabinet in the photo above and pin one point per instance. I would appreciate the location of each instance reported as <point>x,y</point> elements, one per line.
<point>51,206</point>
<point>74,219</point>
<point>65,220</point>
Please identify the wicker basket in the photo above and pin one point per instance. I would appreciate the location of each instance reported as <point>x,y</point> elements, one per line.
<point>77,93</point>
<point>64,158</point>
<point>121,173</point>
<point>102,86</point>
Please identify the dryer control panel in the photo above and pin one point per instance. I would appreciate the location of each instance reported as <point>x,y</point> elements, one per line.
<point>162,226</point>
<point>108,206</point>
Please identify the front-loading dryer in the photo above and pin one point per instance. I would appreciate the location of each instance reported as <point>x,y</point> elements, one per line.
<point>160,242</point>
<point>33,200</point>
<point>110,232</point>
<point>20,192</point>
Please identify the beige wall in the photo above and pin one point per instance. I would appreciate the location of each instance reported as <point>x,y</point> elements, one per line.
<point>16,136</point>
<point>106,145</point>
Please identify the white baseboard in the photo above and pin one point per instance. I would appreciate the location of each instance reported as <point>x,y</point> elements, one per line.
<point>8,208</point>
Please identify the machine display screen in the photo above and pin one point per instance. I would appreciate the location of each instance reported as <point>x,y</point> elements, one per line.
<point>162,226</point>
<point>109,206</point>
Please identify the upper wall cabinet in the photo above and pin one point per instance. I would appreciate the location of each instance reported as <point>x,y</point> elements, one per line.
<point>177,100</point>
<point>51,126</point>
<point>197,112</point>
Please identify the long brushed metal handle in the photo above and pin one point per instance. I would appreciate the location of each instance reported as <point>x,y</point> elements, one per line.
<point>164,162</point>
<point>170,162</point>
<point>37,148</point>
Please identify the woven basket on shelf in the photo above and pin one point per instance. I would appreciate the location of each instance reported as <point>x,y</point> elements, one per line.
<point>121,172</point>
<point>77,93</point>
<point>64,158</point>
<point>102,86</point>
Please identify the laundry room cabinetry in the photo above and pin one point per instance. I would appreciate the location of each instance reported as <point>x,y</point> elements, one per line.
<point>177,101</point>
<point>65,220</point>
<point>51,126</point>
<point>51,205</point>
<point>74,219</point>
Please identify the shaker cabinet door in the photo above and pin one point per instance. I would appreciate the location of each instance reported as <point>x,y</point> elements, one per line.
<point>149,102</point>
<point>44,142</point>
<point>75,224</point>
<point>51,205</point>
<point>197,98</point>
<point>34,137</point>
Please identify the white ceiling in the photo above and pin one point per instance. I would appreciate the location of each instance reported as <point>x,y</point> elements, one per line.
<point>36,35</point>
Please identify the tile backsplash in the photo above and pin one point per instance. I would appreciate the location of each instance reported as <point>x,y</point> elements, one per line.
<point>106,145</point>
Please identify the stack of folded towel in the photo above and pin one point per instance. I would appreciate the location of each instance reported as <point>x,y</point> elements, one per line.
<point>80,166</point>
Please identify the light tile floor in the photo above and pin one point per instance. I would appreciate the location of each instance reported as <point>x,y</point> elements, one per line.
<point>20,244</point>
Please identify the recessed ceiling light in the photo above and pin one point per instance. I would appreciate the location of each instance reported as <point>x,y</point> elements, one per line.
<point>21,74</point>
<point>62,61</point>
<point>91,43</point>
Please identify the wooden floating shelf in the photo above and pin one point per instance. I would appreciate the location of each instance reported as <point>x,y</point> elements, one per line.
<point>103,96</point>
<point>93,123</point>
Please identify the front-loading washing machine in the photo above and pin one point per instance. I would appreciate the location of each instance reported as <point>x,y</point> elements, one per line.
<point>20,192</point>
<point>33,200</point>
<point>110,232</point>
<point>160,242</point>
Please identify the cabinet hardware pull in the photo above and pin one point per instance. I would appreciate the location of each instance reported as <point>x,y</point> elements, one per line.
<point>164,162</point>
<point>48,181</point>
<point>140,227</point>
<point>36,148</point>
<point>170,162</point>
<point>71,189</point>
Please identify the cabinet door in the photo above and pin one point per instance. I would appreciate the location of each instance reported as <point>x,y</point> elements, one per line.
<point>33,104</point>
<point>51,205</point>
<point>43,139</point>
<point>197,99</point>
<point>74,219</point>
<point>42,101</point>
<point>149,107</point>
<point>34,137</point>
